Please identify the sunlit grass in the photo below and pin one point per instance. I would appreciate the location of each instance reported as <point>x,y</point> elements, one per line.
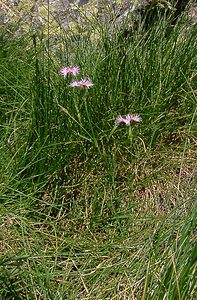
<point>92,209</point>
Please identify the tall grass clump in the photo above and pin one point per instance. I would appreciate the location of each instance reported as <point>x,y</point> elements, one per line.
<point>98,182</point>
<point>149,73</point>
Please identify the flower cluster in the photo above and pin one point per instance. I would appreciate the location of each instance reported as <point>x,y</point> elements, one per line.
<point>74,71</point>
<point>86,82</point>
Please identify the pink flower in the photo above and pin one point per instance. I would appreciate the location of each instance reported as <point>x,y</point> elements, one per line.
<point>128,119</point>
<point>82,83</point>
<point>69,70</point>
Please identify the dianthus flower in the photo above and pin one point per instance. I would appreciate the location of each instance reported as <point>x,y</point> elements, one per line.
<point>82,83</point>
<point>69,70</point>
<point>128,119</point>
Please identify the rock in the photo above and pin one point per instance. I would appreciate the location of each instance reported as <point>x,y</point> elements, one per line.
<point>78,16</point>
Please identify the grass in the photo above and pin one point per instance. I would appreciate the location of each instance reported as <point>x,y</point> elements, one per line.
<point>89,209</point>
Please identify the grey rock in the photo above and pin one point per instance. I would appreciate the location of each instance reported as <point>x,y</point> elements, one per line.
<point>66,12</point>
